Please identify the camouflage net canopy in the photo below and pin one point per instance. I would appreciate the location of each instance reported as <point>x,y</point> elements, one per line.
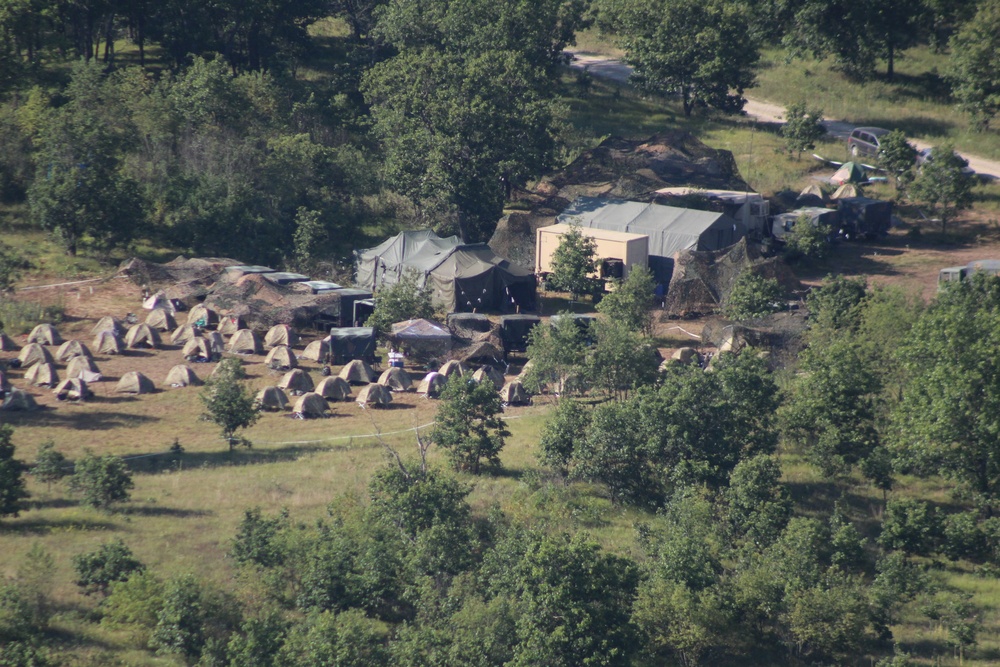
<point>183,279</point>
<point>702,280</point>
<point>779,336</point>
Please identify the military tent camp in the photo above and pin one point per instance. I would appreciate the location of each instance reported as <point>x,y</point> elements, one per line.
<point>317,350</point>
<point>161,320</point>
<point>461,277</point>
<point>141,335</point>
<point>45,334</point>
<point>281,358</point>
<point>198,349</point>
<point>83,368</point>
<point>271,398</point>
<point>396,379</point>
<point>349,343</point>
<point>357,372</point>
<point>230,324</point>
<point>216,343</point>
<point>108,342</point>
<point>849,172</point>
<point>159,301</point>
<point>334,389</point>
<point>108,323</point>
<point>181,376</point>
<point>296,381</point>
<point>311,406</point>
<point>71,349</point>
<point>490,374</point>
<point>184,333</point>
<point>669,229</point>
<point>421,339</point>
<point>375,396</point>
<point>42,375</point>
<point>33,353</point>
<point>432,385</point>
<point>19,400</point>
<point>514,393</point>
<point>203,316</point>
<point>453,367</point>
<point>134,382</point>
<point>280,334</point>
<point>72,389</point>
<point>7,344</point>
<point>244,341</point>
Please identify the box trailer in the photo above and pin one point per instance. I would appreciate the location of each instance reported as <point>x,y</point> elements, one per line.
<point>616,252</point>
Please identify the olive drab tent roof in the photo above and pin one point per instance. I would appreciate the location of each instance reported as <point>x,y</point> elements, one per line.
<point>84,368</point>
<point>514,393</point>
<point>349,343</point>
<point>72,389</point>
<point>230,324</point>
<point>42,374</point>
<point>197,348</point>
<point>317,350</point>
<point>271,398</point>
<point>71,349</point>
<point>161,320</point>
<point>847,190</point>
<point>184,333</point>
<point>134,382</point>
<point>216,343</point>
<point>453,367</point>
<point>109,323</point>
<point>142,335</point>
<point>45,334</point>
<point>280,334</point>
<point>396,379</point>
<point>203,316</point>
<point>108,342</point>
<point>7,344</point>
<point>311,406</point>
<point>245,341</point>
<point>296,381</point>
<point>432,385</point>
<point>461,277</point>
<point>33,353</point>
<point>281,358</point>
<point>18,399</point>
<point>374,395</point>
<point>181,376</point>
<point>159,301</point>
<point>488,373</point>
<point>334,389</point>
<point>357,372</point>
<point>849,172</point>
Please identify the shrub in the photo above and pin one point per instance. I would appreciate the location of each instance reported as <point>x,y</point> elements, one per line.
<point>103,480</point>
<point>753,296</point>
<point>910,526</point>
<point>806,240</point>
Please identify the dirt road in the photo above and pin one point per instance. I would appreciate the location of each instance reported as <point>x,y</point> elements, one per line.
<point>615,70</point>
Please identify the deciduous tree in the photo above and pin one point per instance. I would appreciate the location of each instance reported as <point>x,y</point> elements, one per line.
<point>573,263</point>
<point>803,128</point>
<point>975,64</point>
<point>403,300</point>
<point>943,184</point>
<point>12,490</point>
<point>469,424</point>
<point>102,480</point>
<point>231,407</point>
<point>631,301</point>
<point>111,562</point>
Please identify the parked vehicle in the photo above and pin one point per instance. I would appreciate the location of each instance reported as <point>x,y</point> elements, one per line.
<point>924,156</point>
<point>865,141</point>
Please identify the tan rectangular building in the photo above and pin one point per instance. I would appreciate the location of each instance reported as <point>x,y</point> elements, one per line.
<point>630,249</point>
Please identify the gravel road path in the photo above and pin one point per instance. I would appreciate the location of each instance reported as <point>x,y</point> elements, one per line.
<point>613,69</point>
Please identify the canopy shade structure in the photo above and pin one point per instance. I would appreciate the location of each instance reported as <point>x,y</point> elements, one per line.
<point>461,277</point>
<point>421,339</point>
<point>349,343</point>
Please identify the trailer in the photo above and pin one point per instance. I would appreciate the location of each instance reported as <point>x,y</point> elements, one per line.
<point>615,252</point>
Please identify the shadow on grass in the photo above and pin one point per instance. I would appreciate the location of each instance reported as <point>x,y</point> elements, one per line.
<point>160,462</point>
<point>154,510</point>
<point>84,421</point>
<point>54,503</point>
<point>41,526</point>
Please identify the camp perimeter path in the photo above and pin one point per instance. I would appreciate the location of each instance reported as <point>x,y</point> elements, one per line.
<point>613,69</point>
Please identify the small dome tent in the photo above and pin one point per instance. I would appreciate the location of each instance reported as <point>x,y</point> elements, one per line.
<point>281,358</point>
<point>216,343</point>
<point>453,367</point>
<point>197,348</point>
<point>491,374</point>
<point>142,336</point>
<point>83,368</point>
<point>108,342</point>
<point>45,334</point>
<point>71,349</point>
<point>181,376</point>
<point>317,350</point>
<point>7,344</point>
<point>334,389</point>
<point>203,316</point>
<point>375,396</point>
<point>311,406</point>
<point>432,385</point>
<point>159,301</point>
<point>357,372</point>
<point>183,334</point>
<point>134,382</point>
<point>297,381</point>
<point>33,353</point>
<point>108,323</point>
<point>230,324</point>
<point>42,375</point>
<point>271,398</point>
<point>280,334</point>
<point>244,341</point>
<point>396,379</point>
<point>72,389</point>
<point>19,400</point>
<point>161,320</point>
<point>514,393</point>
